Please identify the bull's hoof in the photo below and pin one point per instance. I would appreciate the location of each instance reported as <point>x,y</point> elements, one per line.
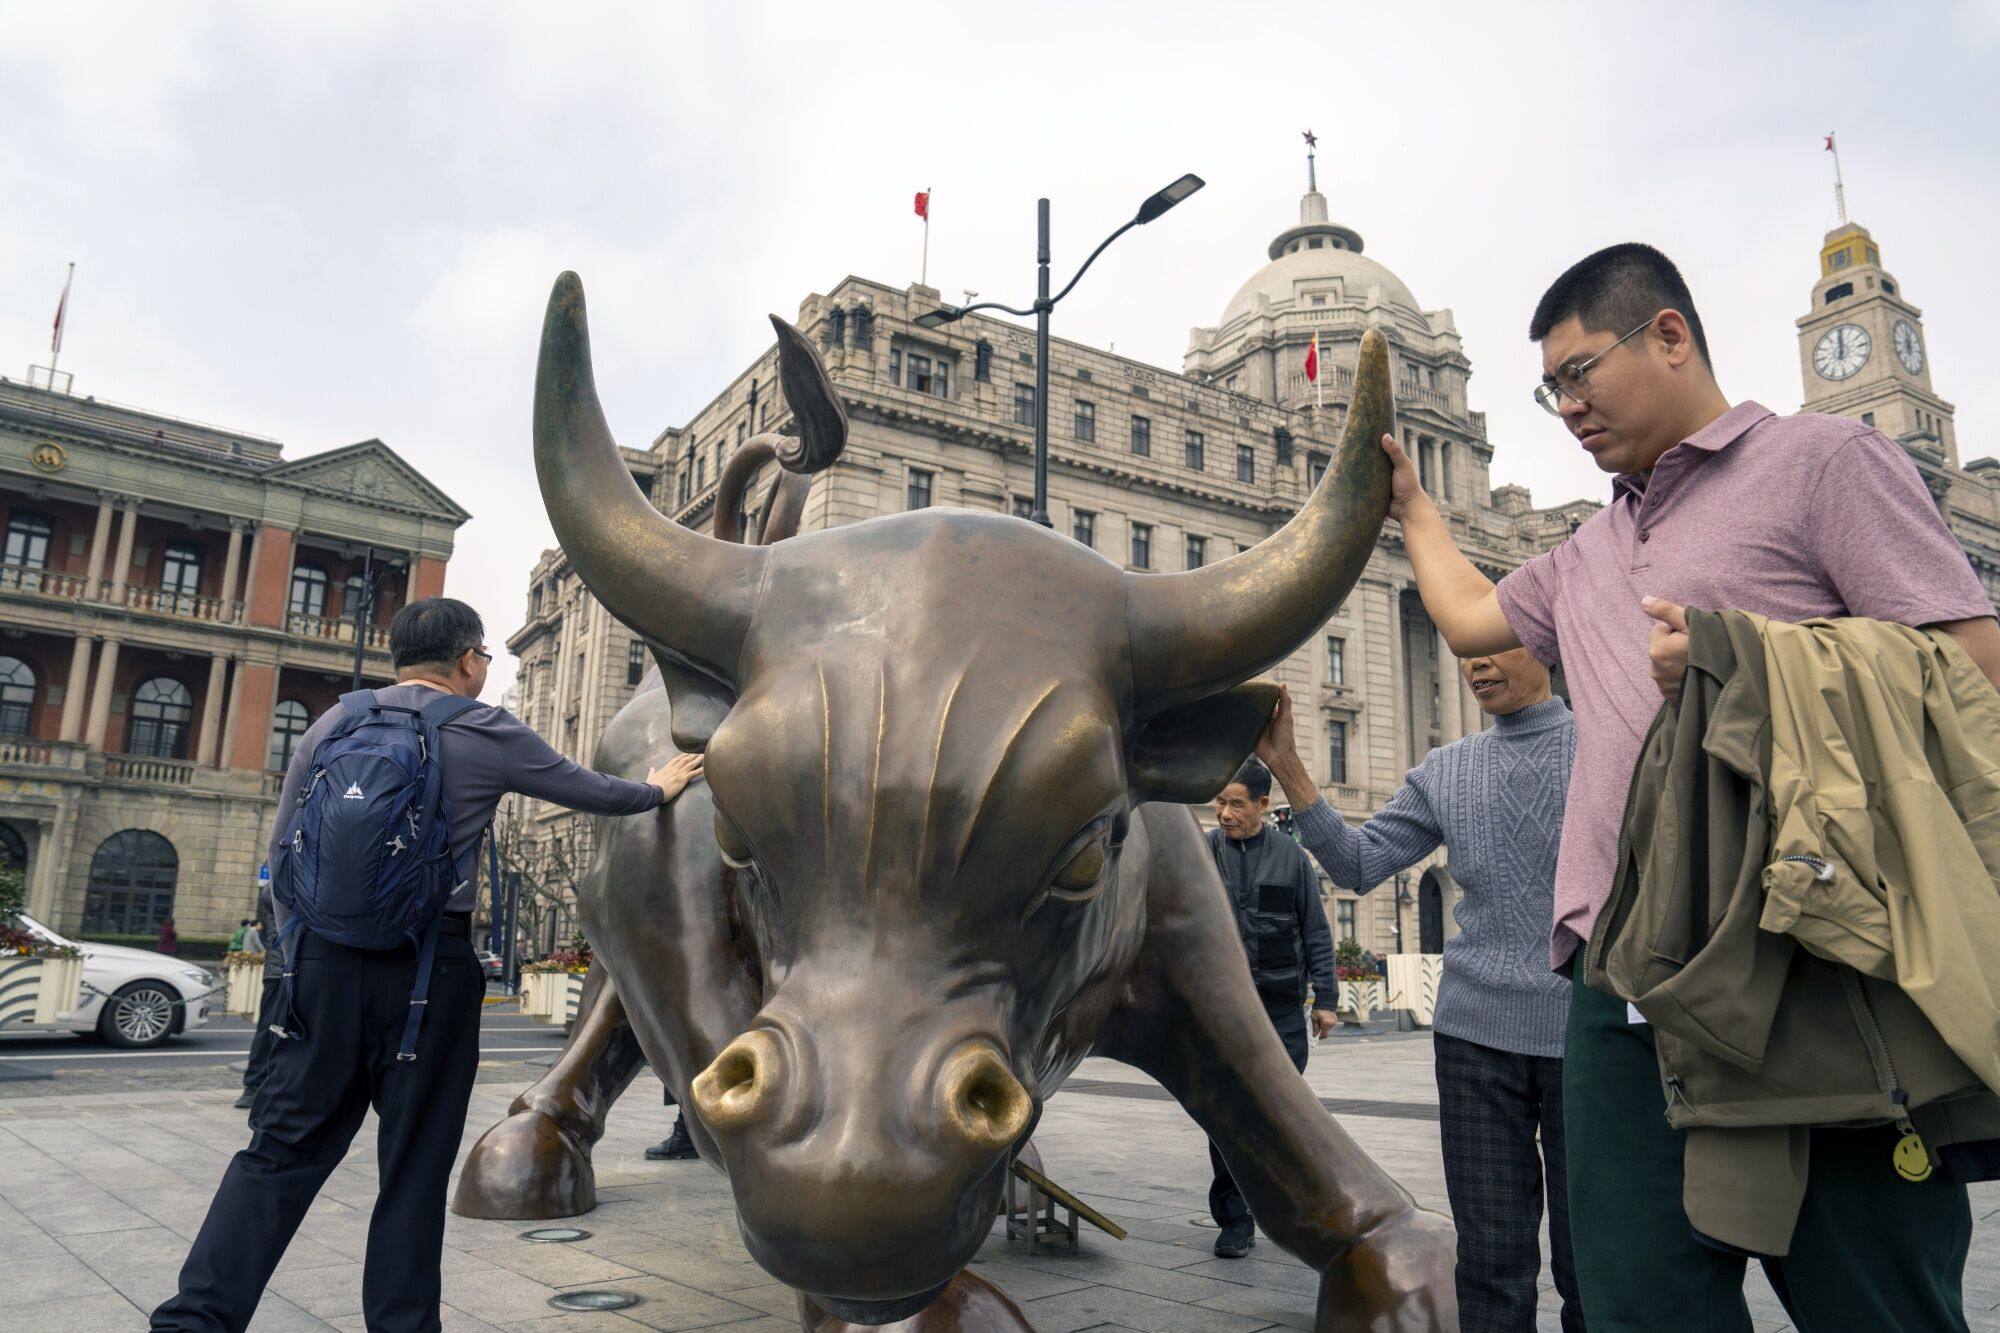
<point>969,1304</point>
<point>528,1167</point>
<point>1398,1278</point>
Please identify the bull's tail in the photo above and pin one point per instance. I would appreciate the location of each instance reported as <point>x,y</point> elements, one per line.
<point>821,434</point>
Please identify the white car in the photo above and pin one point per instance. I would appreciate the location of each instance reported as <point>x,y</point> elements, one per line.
<point>131,997</point>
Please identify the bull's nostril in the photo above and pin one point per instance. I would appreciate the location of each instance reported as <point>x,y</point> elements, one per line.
<point>740,1084</point>
<point>983,1101</point>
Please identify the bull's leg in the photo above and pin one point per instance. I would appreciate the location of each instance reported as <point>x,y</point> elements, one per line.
<point>536,1162</point>
<point>970,1304</point>
<point>1193,1021</point>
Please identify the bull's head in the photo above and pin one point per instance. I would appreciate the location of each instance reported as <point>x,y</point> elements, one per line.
<point>932,733</point>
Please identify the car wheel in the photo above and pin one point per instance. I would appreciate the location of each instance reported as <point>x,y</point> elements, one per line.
<point>141,1014</point>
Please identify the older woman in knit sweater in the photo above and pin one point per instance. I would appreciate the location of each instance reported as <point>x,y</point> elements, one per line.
<point>1495,801</point>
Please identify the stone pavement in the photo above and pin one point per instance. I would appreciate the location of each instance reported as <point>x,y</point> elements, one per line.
<point>100,1193</point>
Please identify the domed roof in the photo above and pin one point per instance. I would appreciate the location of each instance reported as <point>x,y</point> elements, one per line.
<point>1318,257</point>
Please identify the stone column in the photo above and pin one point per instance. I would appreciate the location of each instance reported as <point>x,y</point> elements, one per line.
<point>50,837</point>
<point>270,577</point>
<point>100,542</point>
<point>77,692</point>
<point>211,712</point>
<point>250,715</point>
<point>231,565</point>
<point>100,699</point>
<point>1399,682</point>
<point>1451,716</point>
<point>121,563</point>
<point>229,724</point>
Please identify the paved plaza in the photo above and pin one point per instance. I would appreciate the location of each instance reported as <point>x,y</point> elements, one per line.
<point>100,1191</point>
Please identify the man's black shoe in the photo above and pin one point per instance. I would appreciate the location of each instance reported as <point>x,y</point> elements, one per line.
<point>1235,1241</point>
<point>243,1103</point>
<point>676,1147</point>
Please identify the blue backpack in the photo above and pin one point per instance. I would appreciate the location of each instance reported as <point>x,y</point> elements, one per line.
<point>365,860</point>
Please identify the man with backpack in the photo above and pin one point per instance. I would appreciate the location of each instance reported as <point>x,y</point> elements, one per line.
<point>373,869</point>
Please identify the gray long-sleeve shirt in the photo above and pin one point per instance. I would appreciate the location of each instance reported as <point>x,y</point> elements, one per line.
<point>486,752</point>
<point>1496,800</point>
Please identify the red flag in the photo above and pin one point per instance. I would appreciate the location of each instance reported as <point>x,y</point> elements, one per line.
<point>1312,360</point>
<point>62,305</point>
<point>1829,143</point>
<point>924,204</point>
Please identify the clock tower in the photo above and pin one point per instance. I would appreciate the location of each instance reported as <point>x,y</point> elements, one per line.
<point>1862,354</point>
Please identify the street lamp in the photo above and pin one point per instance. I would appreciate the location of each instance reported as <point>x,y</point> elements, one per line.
<point>1153,207</point>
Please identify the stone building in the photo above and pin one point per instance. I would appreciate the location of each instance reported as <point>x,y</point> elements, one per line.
<point>177,602</point>
<point>1154,468</point>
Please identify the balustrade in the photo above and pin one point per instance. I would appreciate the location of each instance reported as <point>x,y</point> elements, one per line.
<point>49,583</point>
<point>136,768</point>
<point>334,630</point>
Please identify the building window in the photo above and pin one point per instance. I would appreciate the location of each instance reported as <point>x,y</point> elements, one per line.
<point>929,376</point>
<point>1336,753</point>
<point>28,541</point>
<point>1336,660</point>
<point>917,494</point>
<point>836,327</point>
<point>1343,911</point>
<point>864,326</point>
<point>1024,506</point>
<point>1281,441</point>
<point>161,710</point>
<point>1319,300</point>
<point>535,602</point>
<point>1142,436</point>
<point>686,480</point>
<point>288,723</point>
<point>1086,421</point>
<point>1024,404</point>
<point>17,696</point>
<point>180,569</point>
<point>308,592</point>
<point>1197,551</point>
<point>982,360</point>
<point>1839,290</point>
<point>131,889</point>
<point>701,470</point>
<point>1838,259</point>
<point>742,429</point>
<point>896,366</point>
<point>1196,447</point>
<point>635,662</point>
<point>1315,468</point>
<point>1867,418</point>
<point>13,850</point>
<point>1888,286</point>
<point>1142,546</point>
<point>1083,527</point>
<point>1246,463</point>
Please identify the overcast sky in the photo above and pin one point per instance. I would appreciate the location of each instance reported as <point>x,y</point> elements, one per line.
<point>328,222</point>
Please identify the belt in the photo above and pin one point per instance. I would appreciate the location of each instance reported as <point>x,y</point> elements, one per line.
<point>456,924</point>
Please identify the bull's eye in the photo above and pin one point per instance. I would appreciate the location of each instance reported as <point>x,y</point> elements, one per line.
<point>735,847</point>
<point>1080,878</point>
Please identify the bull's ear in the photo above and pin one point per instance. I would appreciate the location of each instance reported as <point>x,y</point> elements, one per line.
<point>1190,752</point>
<point>699,700</point>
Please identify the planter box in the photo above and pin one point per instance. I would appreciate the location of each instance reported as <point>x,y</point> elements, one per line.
<point>1360,999</point>
<point>38,990</point>
<point>246,990</point>
<point>1413,983</point>
<point>536,993</point>
<point>565,996</point>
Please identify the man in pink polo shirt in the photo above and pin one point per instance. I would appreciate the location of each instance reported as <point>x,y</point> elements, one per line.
<point>1719,507</point>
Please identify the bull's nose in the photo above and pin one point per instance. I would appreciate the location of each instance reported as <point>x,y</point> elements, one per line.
<point>744,1083</point>
<point>984,1105</point>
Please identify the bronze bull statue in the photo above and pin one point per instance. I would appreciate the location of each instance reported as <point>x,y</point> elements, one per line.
<point>941,855</point>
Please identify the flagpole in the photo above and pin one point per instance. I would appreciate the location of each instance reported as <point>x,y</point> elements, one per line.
<point>62,312</point>
<point>924,271</point>
<point>1839,187</point>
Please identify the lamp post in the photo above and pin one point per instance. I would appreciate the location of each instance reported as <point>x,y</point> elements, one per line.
<point>1402,897</point>
<point>1153,207</point>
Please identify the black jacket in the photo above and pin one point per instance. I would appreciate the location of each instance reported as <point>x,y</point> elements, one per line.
<point>1274,893</point>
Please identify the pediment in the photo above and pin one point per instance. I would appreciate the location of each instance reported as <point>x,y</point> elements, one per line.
<point>370,471</point>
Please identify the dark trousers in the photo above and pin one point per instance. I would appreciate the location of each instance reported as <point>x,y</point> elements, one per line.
<point>258,1067</point>
<point>1225,1202</point>
<point>352,1005</point>
<point>1871,1250</point>
<point>1492,1107</point>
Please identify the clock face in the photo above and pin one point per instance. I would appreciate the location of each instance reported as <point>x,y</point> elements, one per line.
<point>1909,346</point>
<point>1840,351</point>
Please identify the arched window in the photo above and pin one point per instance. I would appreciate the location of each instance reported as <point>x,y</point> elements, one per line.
<point>28,541</point>
<point>13,849</point>
<point>288,723</point>
<point>180,571</point>
<point>131,887</point>
<point>308,591</point>
<point>17,696</point>
<point>351,594</point>
<point>161,710</point>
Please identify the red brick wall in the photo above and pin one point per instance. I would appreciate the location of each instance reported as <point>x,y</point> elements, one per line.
<point>256,693</point>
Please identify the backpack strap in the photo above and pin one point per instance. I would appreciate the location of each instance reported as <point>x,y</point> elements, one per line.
<point>420,994</point>
<point>445,708</point>
<point>285,1023</point>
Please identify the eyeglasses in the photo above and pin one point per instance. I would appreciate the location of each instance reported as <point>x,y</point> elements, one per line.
<point>482,654</point>
<point>1573,381</point>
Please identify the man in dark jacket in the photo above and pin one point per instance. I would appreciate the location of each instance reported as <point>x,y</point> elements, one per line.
<point>1274,893</point>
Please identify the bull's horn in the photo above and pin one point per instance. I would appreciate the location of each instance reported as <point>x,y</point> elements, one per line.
<point>1204,631</point>
<point>687,593</point>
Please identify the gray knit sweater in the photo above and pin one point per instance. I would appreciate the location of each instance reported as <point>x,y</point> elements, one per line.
<point>1495,799</point>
